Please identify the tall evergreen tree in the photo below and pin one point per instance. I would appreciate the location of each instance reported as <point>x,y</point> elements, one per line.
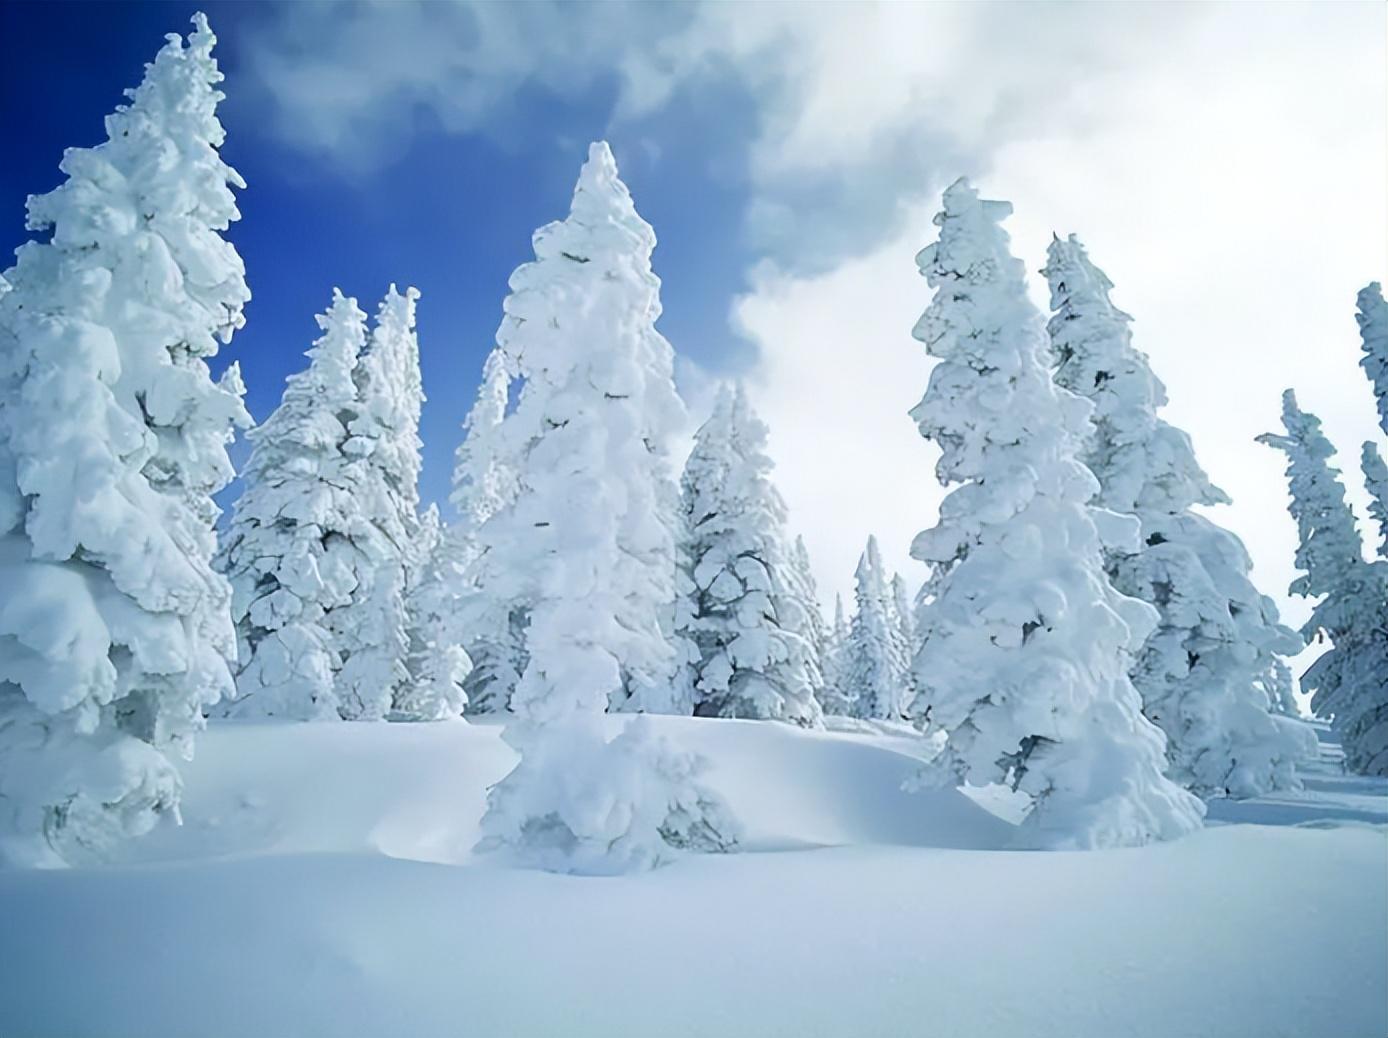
<point>1200,671</point>
<point>115,632</point>
<point>836,698</point>
<point>1347,681</point>
<point>369,632</point>
<point>753,659</point>
<point>1372,317</point>
<point>592,534</point>
<point>293,547</point>
<point>904,624</point>
<point>811,625</point>
<point>436,663</point>
<point>1376,482</point>
<point>491,610</point>
<point>875,670</point>
<point>1025,661</point>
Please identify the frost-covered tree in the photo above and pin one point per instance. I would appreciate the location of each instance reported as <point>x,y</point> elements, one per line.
<point>745,620</point>
<point>904,623</point>
<point>1279,687</point>
<point>369,631</point>
<point>1376,482</point>
<point>491,610</point>
<point>1025,661</point>
<point>115,631</point>
<point>290,550</point>
<point>811,623</point>
<point>590,542</point>
<point>834,698</point>
<point>1349,681</point>
<point>1372,317</point>
<point>1200,671</point>
<point>436,663</point>
<point>874,667</point>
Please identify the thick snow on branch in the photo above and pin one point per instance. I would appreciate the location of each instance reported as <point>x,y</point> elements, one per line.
<point>1201,671</point>
<point>590,543</point>
<point>1346,681</point>
<point>1027,644</point>
<point>747,620</point>
<point>115,632</point>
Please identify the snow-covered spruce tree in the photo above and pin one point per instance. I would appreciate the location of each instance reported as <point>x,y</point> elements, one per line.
<point>835,698</point>
<point>290,549</point>
<point>1199,672</point>
<point>1372,317</point>
<point>811,622</point>
<point>1025,662</point>
<point>591,532</point>
<point>753,660</point>
<point>1278,686</point>
<point>115,632</point>
<point>1347,682</point>
<point>874,667</point>
<point>1376,482</point>
<point>369,632</point>
<point>437,664</point>
<point>904,624</point>
<point>491,611</point>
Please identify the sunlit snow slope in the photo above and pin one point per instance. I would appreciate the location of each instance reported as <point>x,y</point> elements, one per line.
<point>322,883</point>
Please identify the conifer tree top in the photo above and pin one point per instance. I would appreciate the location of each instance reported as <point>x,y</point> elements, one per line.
<point>1143,463</point>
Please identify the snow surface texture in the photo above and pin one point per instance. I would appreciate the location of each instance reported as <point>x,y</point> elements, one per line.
<point>1201,671</point>
<point>746,620</point>
<point>589,544</point>
<point>1025,655</point>
<point>323,884</point>
<point>1346,681</point>
<point>115,632</point>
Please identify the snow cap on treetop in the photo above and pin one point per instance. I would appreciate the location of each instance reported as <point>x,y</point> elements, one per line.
<point>1071,272</point>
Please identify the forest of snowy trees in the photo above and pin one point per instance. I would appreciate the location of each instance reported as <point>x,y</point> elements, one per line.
<point>1081,631</point>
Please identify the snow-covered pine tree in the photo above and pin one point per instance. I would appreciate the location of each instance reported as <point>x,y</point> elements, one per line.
<point>369,632</point>
<point>115,631</point>
<point>1372,317</point>
<point>874,668</point>
<point>904,624</point>
<point>1347,681</point>
<point>1278,686</point>
<point>835,698</point>
<point>437,664</point>
<point>489,614</point>
<point>291,550</point>
<point>811,626</point>
<point>753,661</point>
<point>1199,673</point>
<point>491,611</point>
<point>591,531</point>
<point>1025,663</point>
<point>1376,482</point>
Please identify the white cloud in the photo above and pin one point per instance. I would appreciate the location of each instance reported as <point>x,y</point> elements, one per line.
<point>1233,188</point>
<point>1225,163</point>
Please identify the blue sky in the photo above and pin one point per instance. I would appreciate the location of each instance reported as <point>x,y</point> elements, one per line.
<point>450,214</point>
<point>790,156</point>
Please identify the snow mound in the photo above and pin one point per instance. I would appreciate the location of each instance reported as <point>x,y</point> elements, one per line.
<point>323,883</point>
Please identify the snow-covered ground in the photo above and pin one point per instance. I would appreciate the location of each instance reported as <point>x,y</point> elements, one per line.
<point>323,883</point>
